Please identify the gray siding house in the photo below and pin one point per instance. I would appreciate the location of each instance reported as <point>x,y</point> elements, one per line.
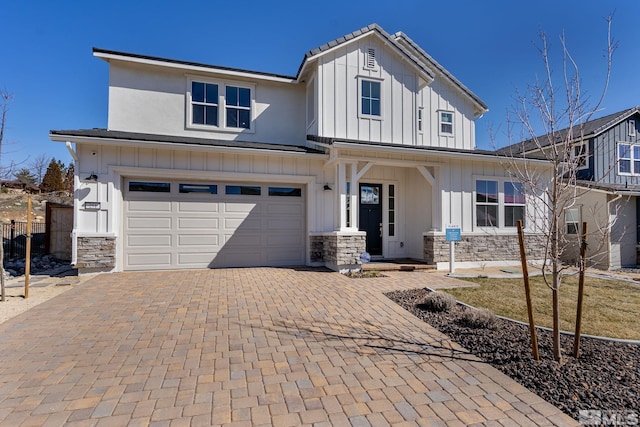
<point>610,169</point>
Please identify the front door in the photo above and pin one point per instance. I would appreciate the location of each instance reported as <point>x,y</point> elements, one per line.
<point>371,216</point>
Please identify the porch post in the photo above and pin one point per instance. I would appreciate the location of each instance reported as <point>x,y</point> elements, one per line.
<point>342,196</point>
<point>355,211</point>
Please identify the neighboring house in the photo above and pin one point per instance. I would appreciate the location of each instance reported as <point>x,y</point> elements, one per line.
<point>369,147</point>
<point>609,149</point>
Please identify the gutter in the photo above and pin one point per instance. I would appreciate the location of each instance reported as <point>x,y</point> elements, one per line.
<point>445,154</point>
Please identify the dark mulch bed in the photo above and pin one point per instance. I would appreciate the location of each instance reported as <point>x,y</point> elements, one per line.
<point>606,376</point>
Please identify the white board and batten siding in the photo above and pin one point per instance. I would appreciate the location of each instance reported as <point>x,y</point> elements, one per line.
<point>226,220</point>
<point>339,75</point>
<point>339,79</point>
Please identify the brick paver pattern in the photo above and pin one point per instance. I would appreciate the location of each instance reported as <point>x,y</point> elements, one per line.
<point>247,347</point>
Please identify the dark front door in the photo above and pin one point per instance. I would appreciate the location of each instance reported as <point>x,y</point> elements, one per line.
<point>371,216</point>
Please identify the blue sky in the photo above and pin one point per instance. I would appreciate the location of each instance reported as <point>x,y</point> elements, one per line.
<point>47,64</point>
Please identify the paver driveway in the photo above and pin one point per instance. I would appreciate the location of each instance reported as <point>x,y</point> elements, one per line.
<point>259,346</point>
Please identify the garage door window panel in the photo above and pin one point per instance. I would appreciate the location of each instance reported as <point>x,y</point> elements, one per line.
<point>198,188</point>
<point>285,192</point>
<point>243,190</point>
<point>150,187</point>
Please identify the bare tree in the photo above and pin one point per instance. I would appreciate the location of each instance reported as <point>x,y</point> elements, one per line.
<point>5,99</point>
<point>557,104</point>
<point>39,166</point>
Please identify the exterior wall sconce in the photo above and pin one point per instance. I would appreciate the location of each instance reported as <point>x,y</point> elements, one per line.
<point>92,177</point>
<point>92,205</point>
<point>327,187</point>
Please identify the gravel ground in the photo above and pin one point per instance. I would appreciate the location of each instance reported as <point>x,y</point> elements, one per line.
<point>605,377</point>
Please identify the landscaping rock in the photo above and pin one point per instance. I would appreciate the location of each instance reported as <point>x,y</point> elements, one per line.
<point>605,377</point>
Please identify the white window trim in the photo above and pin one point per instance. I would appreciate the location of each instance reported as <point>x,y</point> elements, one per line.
<point>631,158</point>
<point>222,105</point>
<point>631,127</point>
<point>453,123</point>
<point>576,222</point>
<point>501,205</point>
<point>585,155</point>
<point>360,79</point>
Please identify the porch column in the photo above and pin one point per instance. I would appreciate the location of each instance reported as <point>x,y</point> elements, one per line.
<point>341,192</point>
<point>436,196</point>
<point>355,206</point>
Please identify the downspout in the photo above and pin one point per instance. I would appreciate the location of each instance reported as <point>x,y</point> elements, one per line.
<point>615,199</point>
<point>76,182</point>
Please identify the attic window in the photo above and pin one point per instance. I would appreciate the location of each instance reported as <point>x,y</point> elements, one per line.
<point>632,127</point>
<point>370,59</point>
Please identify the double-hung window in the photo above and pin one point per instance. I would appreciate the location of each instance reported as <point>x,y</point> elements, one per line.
<point>581,155</point>
<point>628,159</point>
<point>223,105</point>
<point>238,102</point>
<point>514,204</point>
<point>486,203</point>
<point>370,98</point>
<point>204,103</point>
<point>446,123</point>
<point>572,220</point>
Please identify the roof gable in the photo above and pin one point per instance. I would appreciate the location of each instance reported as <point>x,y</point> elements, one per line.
<point>404,40</point>
<point>370,30</point>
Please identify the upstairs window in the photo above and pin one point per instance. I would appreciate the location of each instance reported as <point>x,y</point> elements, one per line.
<point>486,203</point>
<point>581,155</point>
<point>628,159</point>
<point>631,124</point>
<point>370,98</point>
<point>446,123</point>
<point>238,102</point>
<point>219,104</point>
<point>420,119</point>
<point>204,103</point>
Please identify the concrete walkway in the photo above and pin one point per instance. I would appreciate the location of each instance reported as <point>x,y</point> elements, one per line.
<point>247,347</point>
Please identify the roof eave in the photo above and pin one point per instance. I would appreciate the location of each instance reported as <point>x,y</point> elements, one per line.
<point>57,137</point>
<point>189,66</point>
<point>480,106</point>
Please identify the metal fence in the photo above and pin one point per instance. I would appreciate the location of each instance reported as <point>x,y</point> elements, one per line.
<point>14,239</point>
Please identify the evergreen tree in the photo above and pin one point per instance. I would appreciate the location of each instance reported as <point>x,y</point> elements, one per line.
<point>25,176</point>
<point>53,178</point>
<point>68,178</point>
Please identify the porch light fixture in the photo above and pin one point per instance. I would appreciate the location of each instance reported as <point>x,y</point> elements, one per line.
<point>327,188</point>
<point>92,177</point>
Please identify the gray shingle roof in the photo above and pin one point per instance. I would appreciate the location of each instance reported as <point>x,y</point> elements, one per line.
<point>426,57</point>
<point>105,134</point>
<point>357,33</point>
<point>189,63</point>
<point>590,129</point>
<point>421,148</point>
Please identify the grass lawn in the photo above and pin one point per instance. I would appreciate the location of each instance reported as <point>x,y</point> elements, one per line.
<point>610,308</point>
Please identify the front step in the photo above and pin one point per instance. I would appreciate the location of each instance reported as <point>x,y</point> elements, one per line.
<point>397,265</point>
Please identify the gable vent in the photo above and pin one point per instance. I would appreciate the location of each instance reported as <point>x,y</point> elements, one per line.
<point>371,58</point>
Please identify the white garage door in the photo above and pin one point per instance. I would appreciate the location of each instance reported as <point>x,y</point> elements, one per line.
<point>185,224</point>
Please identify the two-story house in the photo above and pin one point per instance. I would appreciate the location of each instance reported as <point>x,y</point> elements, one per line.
<point>608,177</point>
<point>370,146</point>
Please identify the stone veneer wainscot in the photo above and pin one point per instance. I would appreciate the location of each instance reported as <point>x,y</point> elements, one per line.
<point>483,247</point>
<point>96,253</point>
<point>337,250</point>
